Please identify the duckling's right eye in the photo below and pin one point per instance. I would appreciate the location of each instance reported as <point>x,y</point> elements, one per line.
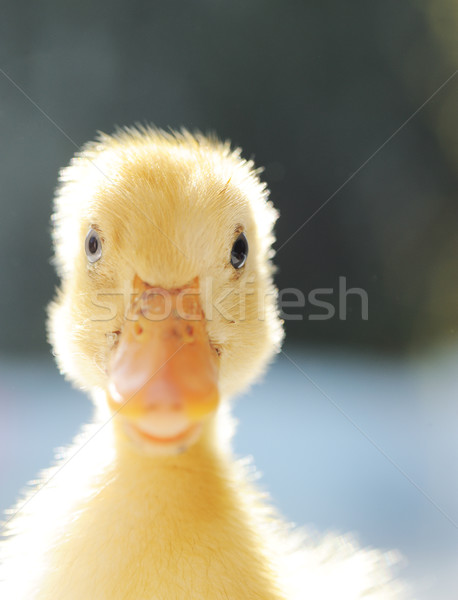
<point>239,251</point>
<point>93,246</point>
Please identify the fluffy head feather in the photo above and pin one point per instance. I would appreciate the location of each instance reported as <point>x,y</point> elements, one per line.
<point>168,207</point>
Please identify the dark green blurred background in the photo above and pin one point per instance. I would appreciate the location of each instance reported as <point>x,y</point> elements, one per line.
<point>309,89</point>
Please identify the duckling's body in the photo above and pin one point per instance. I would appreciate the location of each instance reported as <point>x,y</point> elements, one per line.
<point>162,530</point>
<point>112,525</point>
<point>158,520</point>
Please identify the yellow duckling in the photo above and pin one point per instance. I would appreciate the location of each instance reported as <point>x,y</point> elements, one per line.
<point>166,309</point>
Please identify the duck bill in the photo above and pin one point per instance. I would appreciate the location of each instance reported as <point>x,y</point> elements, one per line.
<point>163,377</point>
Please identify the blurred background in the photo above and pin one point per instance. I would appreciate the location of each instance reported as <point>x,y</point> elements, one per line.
<point>312,91</point>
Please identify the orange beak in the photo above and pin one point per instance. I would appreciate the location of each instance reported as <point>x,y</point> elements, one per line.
<point>164,372</point>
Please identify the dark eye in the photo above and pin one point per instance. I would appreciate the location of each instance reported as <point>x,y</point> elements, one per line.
<point>93,246</point>
<point>239,252</point>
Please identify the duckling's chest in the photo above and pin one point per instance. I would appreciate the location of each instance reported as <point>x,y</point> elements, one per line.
<point>159,539</point>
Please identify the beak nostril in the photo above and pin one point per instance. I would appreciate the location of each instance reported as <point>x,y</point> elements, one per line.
<point>188,333</point>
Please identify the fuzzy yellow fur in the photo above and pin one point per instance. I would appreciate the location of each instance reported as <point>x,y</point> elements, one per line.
<point>113,523</point>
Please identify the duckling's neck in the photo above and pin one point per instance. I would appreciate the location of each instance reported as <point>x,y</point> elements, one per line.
<point>167,527</point>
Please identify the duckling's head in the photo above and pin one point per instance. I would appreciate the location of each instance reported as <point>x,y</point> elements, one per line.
<point>163,246</point>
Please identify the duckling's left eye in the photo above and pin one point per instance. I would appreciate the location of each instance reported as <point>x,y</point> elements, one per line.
<point>93,246</point>
<point>239,252</point>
